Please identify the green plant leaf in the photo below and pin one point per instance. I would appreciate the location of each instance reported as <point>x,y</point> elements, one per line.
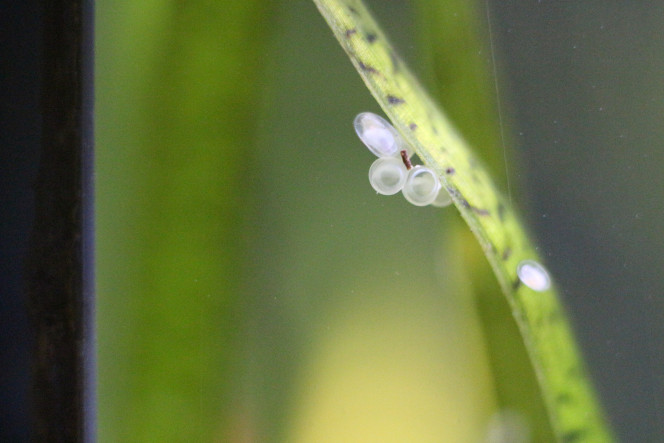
<point>171,155</point>
<point>574,411</point>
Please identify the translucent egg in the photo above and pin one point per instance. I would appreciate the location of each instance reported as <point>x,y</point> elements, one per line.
<point>442,199</point>
<point>533,275</point>
<point>378,135</point>
<point>387,175</point>
<point>422,186</point>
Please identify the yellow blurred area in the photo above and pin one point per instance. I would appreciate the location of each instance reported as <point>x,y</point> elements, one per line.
<point>400,369</point>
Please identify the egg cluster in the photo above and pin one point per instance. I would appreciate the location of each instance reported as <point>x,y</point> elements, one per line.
<point>392,171</point>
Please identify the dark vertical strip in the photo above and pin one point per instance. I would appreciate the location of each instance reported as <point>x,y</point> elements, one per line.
<point>89,348</point>
<point>60,281</point>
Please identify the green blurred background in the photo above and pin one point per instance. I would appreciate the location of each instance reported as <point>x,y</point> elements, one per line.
<point>253,287</point>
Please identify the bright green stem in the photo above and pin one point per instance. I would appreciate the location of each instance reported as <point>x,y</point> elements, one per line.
<point>574,411</point>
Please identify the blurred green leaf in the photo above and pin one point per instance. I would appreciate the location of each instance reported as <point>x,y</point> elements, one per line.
<point>176,96</point>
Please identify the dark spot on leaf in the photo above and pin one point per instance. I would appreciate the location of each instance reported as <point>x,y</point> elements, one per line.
<point>412,126</point>
<point>573,436</point>
<point>479,211</point>
<point>353,10</point>
<point>450,171</point>
<point>391,99</point>
<point>368,68</point>
<point>466,204</point>
<point>371,38</point>
<point>507,253</point>
<point>435,131</point>
<point>350,32</point>
<point>563,398</point>
<point>456,194</point>
<point>516,284</point>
